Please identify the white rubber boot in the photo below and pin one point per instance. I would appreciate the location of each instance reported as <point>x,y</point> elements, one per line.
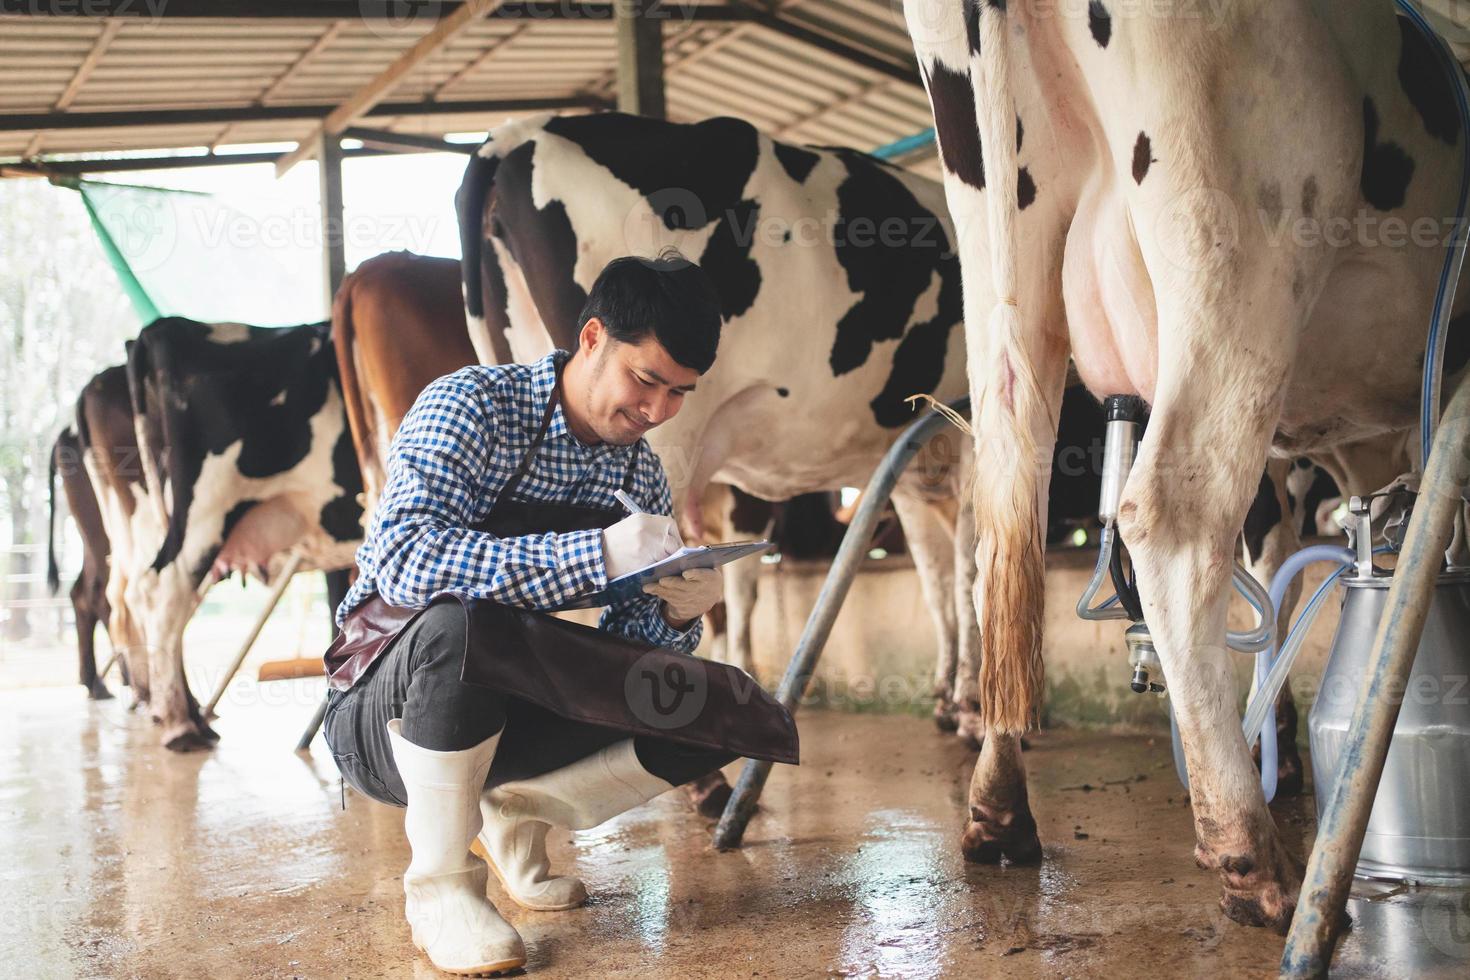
<point>444,887</point>
<point>517,816</point>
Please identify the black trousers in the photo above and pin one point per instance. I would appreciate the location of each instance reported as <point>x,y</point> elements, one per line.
<point>418,681</point>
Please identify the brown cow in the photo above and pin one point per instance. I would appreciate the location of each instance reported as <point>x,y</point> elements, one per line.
<point>108,445</point>
<point>398,323</point>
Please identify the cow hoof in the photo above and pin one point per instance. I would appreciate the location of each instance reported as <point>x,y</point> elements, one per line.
<point>1256,894</point>
<point>993,836</point>
<point>188,741</point>
<point>709,794</point>
<point>946,715</point>
<point>98,691</point>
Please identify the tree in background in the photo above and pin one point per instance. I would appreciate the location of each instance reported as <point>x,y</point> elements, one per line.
<point>63,318</point>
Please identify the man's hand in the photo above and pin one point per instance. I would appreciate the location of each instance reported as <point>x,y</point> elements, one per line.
<point>688,596</point>
<point>638,540</point>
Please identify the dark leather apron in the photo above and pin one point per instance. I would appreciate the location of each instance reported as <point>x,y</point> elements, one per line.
<point>578,672</point>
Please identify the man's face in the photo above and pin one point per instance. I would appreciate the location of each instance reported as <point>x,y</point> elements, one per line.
<point>632,387</point>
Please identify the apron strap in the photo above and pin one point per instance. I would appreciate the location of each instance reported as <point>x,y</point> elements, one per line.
<point>632,467</point>
<point>524,467</point>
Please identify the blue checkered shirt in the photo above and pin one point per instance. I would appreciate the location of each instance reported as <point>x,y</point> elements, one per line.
<point>455,451</point>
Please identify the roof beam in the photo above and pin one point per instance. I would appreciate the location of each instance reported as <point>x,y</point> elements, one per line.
<point>325,38</point>
<point>134,118</point>
<point>41,168</point>
<point>217,10</point>
<point>791,28</point>
<point>390,140</point>
<point>80,76</point>
<point>365,98</point>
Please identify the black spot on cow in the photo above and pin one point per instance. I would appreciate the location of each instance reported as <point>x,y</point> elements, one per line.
<point>783,392</point>
<point>691,176</point>
<point>1309,196</point>
<point>341,517</point>
<point>543,243</point>
<point>682,169</point>
<point>786,236</point>
<point>1387,169</point>
<point>972,25</point>
<point>918,361</point>
<point>1424,82</point>
<point>1020,133</point>
<point>1264,514</point>
<point>1143,157</point>
<point>1100,22</point>
<point>998,5</point>
<point>889,273</point>
<point>727,259</point>
<point>953,102</point>
<point>1025,189</point>
<point>1457,345</point>
<point>797,163</point>
<point>886,273</point>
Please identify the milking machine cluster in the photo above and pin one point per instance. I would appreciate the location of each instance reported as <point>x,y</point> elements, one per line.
<point>1420,829</point>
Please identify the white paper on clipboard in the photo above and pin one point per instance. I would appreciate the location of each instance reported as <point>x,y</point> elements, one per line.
<point>631,585</point>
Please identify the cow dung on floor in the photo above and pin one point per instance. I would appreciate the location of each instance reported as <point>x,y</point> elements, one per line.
<point>125,860</point>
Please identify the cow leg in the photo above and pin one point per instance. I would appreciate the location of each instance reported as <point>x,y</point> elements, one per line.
<point>174,707</point>
<point>1182,509</point>
<point>968,723</point>
<point>127,641</point>
<point>84,594</point>
<point>931,545</point>
<point>1001,825</point>
<point>1271,536</point>
<point>742,578</point>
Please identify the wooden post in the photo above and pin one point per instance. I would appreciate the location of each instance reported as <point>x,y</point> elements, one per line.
<point>329,181</point>
<point>640,79</point>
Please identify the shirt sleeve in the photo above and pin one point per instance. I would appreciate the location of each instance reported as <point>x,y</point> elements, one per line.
<point>642,618</point>
<point>424,548</point>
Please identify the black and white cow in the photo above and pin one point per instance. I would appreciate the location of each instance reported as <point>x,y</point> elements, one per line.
<point>1212,211</point>
<point>245,433</point>
<point>838,281</point>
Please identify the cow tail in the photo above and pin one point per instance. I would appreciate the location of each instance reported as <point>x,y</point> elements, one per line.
<point>469,206</point>
<point>344,337</point>
<point>148,358</point>
<point>1011,409</point>
<point>53,573</point>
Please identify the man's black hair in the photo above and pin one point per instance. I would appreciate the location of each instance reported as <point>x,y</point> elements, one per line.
<point>669,297</point>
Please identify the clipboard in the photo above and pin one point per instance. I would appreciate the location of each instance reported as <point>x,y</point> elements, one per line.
<point>630,586</point>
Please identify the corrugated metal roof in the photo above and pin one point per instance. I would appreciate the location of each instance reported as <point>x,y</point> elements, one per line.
<point>786,85</point>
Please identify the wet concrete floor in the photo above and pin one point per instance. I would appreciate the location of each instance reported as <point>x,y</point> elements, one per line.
<point>122,860</point>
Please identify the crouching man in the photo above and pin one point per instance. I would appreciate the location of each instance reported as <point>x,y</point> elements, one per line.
<point>454,695</point>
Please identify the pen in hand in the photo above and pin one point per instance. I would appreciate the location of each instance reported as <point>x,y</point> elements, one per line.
<point>626,499</point>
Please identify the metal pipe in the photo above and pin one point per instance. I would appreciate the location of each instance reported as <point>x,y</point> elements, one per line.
<point>282,580</point>
<point>1340,832</point>
<point>850,555</point>
<point>304,742</point>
